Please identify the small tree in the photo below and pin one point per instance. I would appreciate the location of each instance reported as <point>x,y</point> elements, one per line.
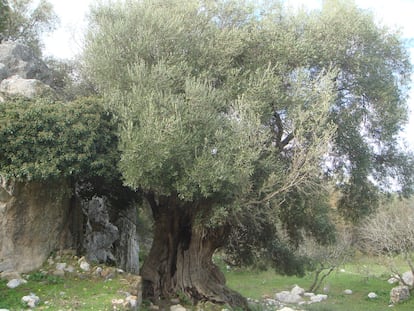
<point>390,233</point>
<point>324,259</point>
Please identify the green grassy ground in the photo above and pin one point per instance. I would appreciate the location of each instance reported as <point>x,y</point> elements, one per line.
<point>69,293</point>
<point>362,276</point>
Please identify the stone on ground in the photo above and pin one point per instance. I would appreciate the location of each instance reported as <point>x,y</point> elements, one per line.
<point>399,294</point>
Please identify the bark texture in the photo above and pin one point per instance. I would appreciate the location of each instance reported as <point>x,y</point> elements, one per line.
<point>180,259</point>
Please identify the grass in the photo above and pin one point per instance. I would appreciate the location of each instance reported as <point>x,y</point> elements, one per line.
<point>362,277</point>
<point>75,291</point>
<point>66,294</point>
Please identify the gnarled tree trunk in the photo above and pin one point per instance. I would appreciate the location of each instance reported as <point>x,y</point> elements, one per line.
<point>180,259</point>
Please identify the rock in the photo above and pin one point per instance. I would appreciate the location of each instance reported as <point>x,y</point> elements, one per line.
<point>399,293</point>
<point>10,275</point>
<point>100,233</point>
<point>372,295</point>
<point>98,271</point>
<point>132,302</point>
<point>84,265</point>
<point>177,308</point>
<point>60,273</point>
<point>29,88</point>
<point>288,297</point>
<point>286,309</point>
<point>318,298</point>
<point>4,309</point>
<point>408,279</point>
<point>70,269</point>
<point>308,294</point>
<point>15,283</point>
<point>18,59</point>
<point>296,290</point>
<point>33,222</point>
<point>116,303</point>
<point>271,302</point>
<point>175,301</point>
<point>348,291</point>
<point>392,280</point>
<point>31,301</point>
<point>61,266</point>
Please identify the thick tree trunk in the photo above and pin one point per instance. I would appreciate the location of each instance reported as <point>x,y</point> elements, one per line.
<point>180,260</point>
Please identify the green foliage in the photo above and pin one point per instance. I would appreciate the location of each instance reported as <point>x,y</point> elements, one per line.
<point>4,12</point>
<point>239,106</point>
<point>26,21</point>
<point>44,139</point>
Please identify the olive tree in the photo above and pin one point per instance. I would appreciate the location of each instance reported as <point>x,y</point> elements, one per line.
<point>227,113</point>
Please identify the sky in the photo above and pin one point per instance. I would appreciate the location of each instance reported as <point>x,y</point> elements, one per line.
<point>66,41</point>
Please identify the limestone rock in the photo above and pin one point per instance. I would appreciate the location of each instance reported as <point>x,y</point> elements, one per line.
<point>29,88</point>
<point>83,264</point>
<point>100,233</point>
<point>33,218</point>
<point>15,283</point>
<point>372,295</point>
<point>126,247</point>
<point>296,290</point>
<point>18,59</point>
<point>177,308</point>
<point>318,298</point>
<point>31,300</point>
<point>399,293</point>
<point>10,275</point>
<point>408,278</point>
<point>348,291</point>
<point>392,280</point>
<point>288,297</point>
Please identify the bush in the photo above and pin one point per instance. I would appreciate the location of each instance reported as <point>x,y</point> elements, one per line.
<point>42,139</point>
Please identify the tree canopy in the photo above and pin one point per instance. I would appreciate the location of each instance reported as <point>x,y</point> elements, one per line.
<point>233,116</point>
<point>24,21</point>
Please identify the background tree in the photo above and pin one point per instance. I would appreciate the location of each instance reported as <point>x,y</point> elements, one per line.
<point>4,11</point>
<point>390,234</point>
<point>26,22</point>
<point>227,113</point>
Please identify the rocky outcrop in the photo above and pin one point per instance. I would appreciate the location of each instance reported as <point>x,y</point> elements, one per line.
<point>22,73</point>
<point>33,218</point>
<point>100,233</point>
<point>127,246</point>
<point>111,234</point>
<point>18,59</point>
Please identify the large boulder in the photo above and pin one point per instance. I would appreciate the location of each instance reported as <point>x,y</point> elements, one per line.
<point>399,294</point>
<point>18,59</point>
<point>29,88</point>
<point>22,73</point>
<point>33,223</point>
